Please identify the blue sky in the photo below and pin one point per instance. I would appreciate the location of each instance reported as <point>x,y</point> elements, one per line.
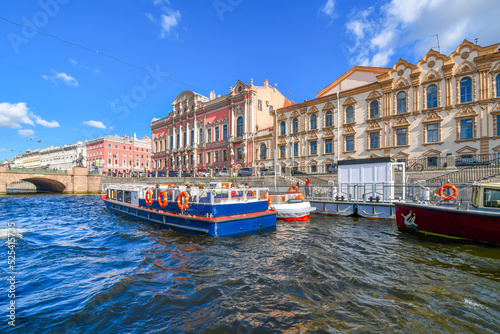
<point>96,68</point>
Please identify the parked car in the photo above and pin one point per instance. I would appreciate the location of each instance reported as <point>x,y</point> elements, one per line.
<point>460,162</point>
<point>245,171</point>
<point>187,174</point>
<point>203,172</point>
<point>173,173</point>
<point>265,171</point>
<point>223,173</point>
<point>161,174</point>
<point>135,174</point>
<point>297,172</point>
<point>333,168</point>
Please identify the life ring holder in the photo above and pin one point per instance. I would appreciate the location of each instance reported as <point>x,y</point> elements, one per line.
<point>163,194</point>
<point>148,197</point>
<point>293,187</point>
<point>454,192</point>
<point>184,206</point>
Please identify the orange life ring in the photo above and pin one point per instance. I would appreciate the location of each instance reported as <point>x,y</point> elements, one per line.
<point>186,200</point>
<point>251,193</point>
<point>268,201</point>
<point>300,197</point>
<point>293,187</point>
<point>454,192</point>
<point>164,201</point>
<point>104,196</point>
<point>148,197</point>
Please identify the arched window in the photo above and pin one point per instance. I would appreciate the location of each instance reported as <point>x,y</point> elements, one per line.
<point>432,97</point>
<point>313,122</point>
<point>349,115</point>
<point>498,85</point>
<point>401,103</point>
<point>374,109</point>
<point>283,127</point>
<point>465,90</point>
<point>224,131</point>
<point>263,152</point>
<point>328,118</point>
<point>295,123</point>
<point>200,139</point>
<point>239,127</point>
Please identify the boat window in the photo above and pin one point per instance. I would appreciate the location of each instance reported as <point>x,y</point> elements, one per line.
<point>492,198</point>
<point>128,197</point>
<point>119,195</point>
<point>474,197</point>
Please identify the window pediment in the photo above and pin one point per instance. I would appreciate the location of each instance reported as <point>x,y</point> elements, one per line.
<point>401,121</point>
<point>432,75</point>
<point>349,129</point>
<point>432,153</point>
<point>295,113</point>
<point>373,126</point>
<point>432,116</point>
<point>374,95</point>
<point>465,68</point>
<point>282,117</point>
<point>466,112</point>
<point>312,136</point>
<point>467,149</point>
<point>313,110</point>
<point>349,101</point>
<point>328,133</point>
<point>327,106</point>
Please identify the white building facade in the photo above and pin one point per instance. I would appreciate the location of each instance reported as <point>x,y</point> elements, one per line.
<point>444,105</point>
<point>62,157</point>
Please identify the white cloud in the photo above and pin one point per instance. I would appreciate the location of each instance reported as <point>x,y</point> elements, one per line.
<point>169,18</point>
<point>408,28</point>
<point>2,149</point>
<point>328,8</point>
<point>74,62</point>
<point>26,132</point>
<point>42,122</point>
<point>63,77</point>
<point>13,114</point>
<point>95,124</point>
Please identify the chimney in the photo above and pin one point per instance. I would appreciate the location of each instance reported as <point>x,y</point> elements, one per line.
<point>266,83</point>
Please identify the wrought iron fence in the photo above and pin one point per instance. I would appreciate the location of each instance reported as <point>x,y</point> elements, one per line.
<point>36,170</point>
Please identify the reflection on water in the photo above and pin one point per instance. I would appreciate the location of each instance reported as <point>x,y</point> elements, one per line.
<point>82,269</point>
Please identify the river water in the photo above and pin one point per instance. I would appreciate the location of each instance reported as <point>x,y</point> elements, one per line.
<point>82,269</point>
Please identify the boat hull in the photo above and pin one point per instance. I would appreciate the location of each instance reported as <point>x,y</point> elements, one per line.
<point>476,225</point>
<point>234,224</point>
<point>293,211</point>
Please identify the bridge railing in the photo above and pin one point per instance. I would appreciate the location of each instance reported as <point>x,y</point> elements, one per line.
<point>36,170</point>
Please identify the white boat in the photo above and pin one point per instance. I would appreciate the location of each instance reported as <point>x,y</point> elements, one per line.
<point>291,206</point>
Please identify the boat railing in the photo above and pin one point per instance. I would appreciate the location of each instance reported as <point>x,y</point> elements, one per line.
<point>196,195</point>
<point>384,192</point>
<point>280,198</point>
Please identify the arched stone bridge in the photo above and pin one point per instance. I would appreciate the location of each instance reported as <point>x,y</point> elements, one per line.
<point>76,180</point>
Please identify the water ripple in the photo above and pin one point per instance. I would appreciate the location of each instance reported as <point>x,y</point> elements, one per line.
<point>82,269</point>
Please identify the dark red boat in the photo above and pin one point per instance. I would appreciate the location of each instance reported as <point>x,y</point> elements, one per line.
<point>479,221</point>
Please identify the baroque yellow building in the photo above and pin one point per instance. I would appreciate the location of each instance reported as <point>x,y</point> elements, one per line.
<point>444,105</point>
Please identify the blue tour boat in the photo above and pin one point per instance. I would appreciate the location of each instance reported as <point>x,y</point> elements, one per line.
<point>217,210</point>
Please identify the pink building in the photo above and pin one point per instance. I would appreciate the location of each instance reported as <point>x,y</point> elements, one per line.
<point>121,154</point>
<point>229,131</point>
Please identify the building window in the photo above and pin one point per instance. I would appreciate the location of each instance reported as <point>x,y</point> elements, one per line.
<point>432,97</point>
<point>313,147</point>
<point>217,133</point>
<point>401,136</point>
<point>374,109</point>
<point>185,138</point>
<point>282,151</point>
<point>432,133</point>
<point>401,103</point>
<point>465,90</point>
<point>200,158</point>
<point>295,125</point>
<point>375,139</point>
<point>171,143</point>
<point>466,128</point>
<point>349,114</point>
<point>313,122</point>
<point>328,145</point>
<point>192,137</point>
<point>295,149</point>
<point>498,125</point>
<point>498,85</point>
<point>178,140</point>
<point>283,128</point>
<point>349,143</point>
<point>239,153</point>
<point>209,135</point>
<point>432,162</point>
<point>328,118</point>
<point>239,127</point>
<point>260,105</point>
<point>224,131</point>
<point>216,156</point>
<point>209,160</point>
<point>224,155</point>
<point>263,152</point>
<point>201,136</point>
